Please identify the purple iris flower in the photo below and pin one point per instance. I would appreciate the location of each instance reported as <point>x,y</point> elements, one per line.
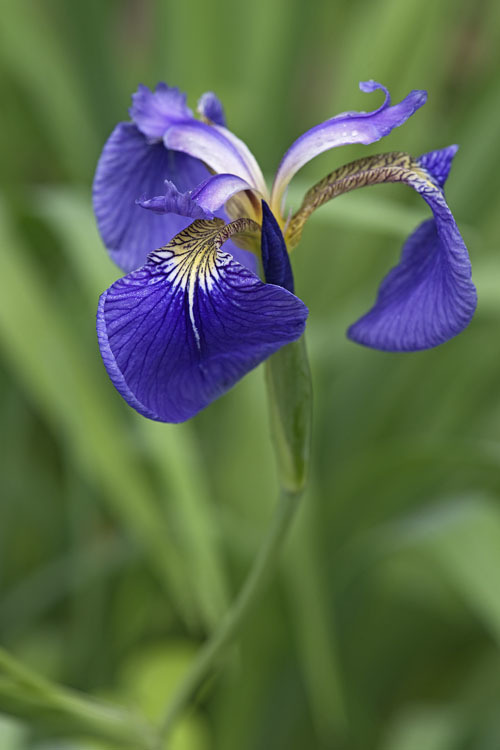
<point>190,319</point>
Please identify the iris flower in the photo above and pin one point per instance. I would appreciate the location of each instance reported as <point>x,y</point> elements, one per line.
<point>188,320</point>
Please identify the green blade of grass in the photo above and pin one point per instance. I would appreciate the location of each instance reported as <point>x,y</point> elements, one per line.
<point>35,56</point>
<point>67,388</point>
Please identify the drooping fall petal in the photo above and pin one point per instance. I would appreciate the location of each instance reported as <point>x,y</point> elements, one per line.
<point>428,297</point>
<point>179,332</point>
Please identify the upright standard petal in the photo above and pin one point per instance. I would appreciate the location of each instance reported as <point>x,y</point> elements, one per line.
<point>163,114</point>
<point>217,148</point>
<point>210,108</point>
<point>180,331</point>
<point>129,168</point>
<point>154,111</point>
<point>344,129</point>
<point>251,163</point>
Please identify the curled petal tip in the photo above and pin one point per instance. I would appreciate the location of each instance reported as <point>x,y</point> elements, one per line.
<point>417,97</point>
<point>368,86</point>
<point>345,129</point>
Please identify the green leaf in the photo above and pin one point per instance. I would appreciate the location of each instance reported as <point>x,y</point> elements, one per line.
<point>463,538</point>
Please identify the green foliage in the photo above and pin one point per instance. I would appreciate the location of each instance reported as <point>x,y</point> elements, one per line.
<point>122,541</point>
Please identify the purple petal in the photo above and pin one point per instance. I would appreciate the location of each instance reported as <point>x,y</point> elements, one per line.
<point>154,112</point>
<point>128,168</point>
<point>428,297</point>
<point>210,144</point>
<point>438,163</point>
<point>174,202</point>
<point>275,258</point>
<point>208,197</point>
<point>209,106</point>
<point>216,190</point>
<point>182,330</point>
<point>344,129</point>
<point>199,203</point>
<point>242,256</point>
<point>247,157</point>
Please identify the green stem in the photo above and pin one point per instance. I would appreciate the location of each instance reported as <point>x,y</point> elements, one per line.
<point>290,395</point>
<point>27,695</point>
<point>230,624</point>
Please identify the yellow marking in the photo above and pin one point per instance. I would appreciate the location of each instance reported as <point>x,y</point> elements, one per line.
<point>395,166</point>
<point>247,204</point>
<point>192,255</point>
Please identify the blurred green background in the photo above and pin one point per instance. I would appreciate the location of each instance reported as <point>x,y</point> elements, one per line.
<point>122,540</point>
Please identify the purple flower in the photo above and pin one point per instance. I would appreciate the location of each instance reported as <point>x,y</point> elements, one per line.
<point>189,320</point>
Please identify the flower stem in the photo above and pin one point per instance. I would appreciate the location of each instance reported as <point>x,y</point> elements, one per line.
<point>230,624</point>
